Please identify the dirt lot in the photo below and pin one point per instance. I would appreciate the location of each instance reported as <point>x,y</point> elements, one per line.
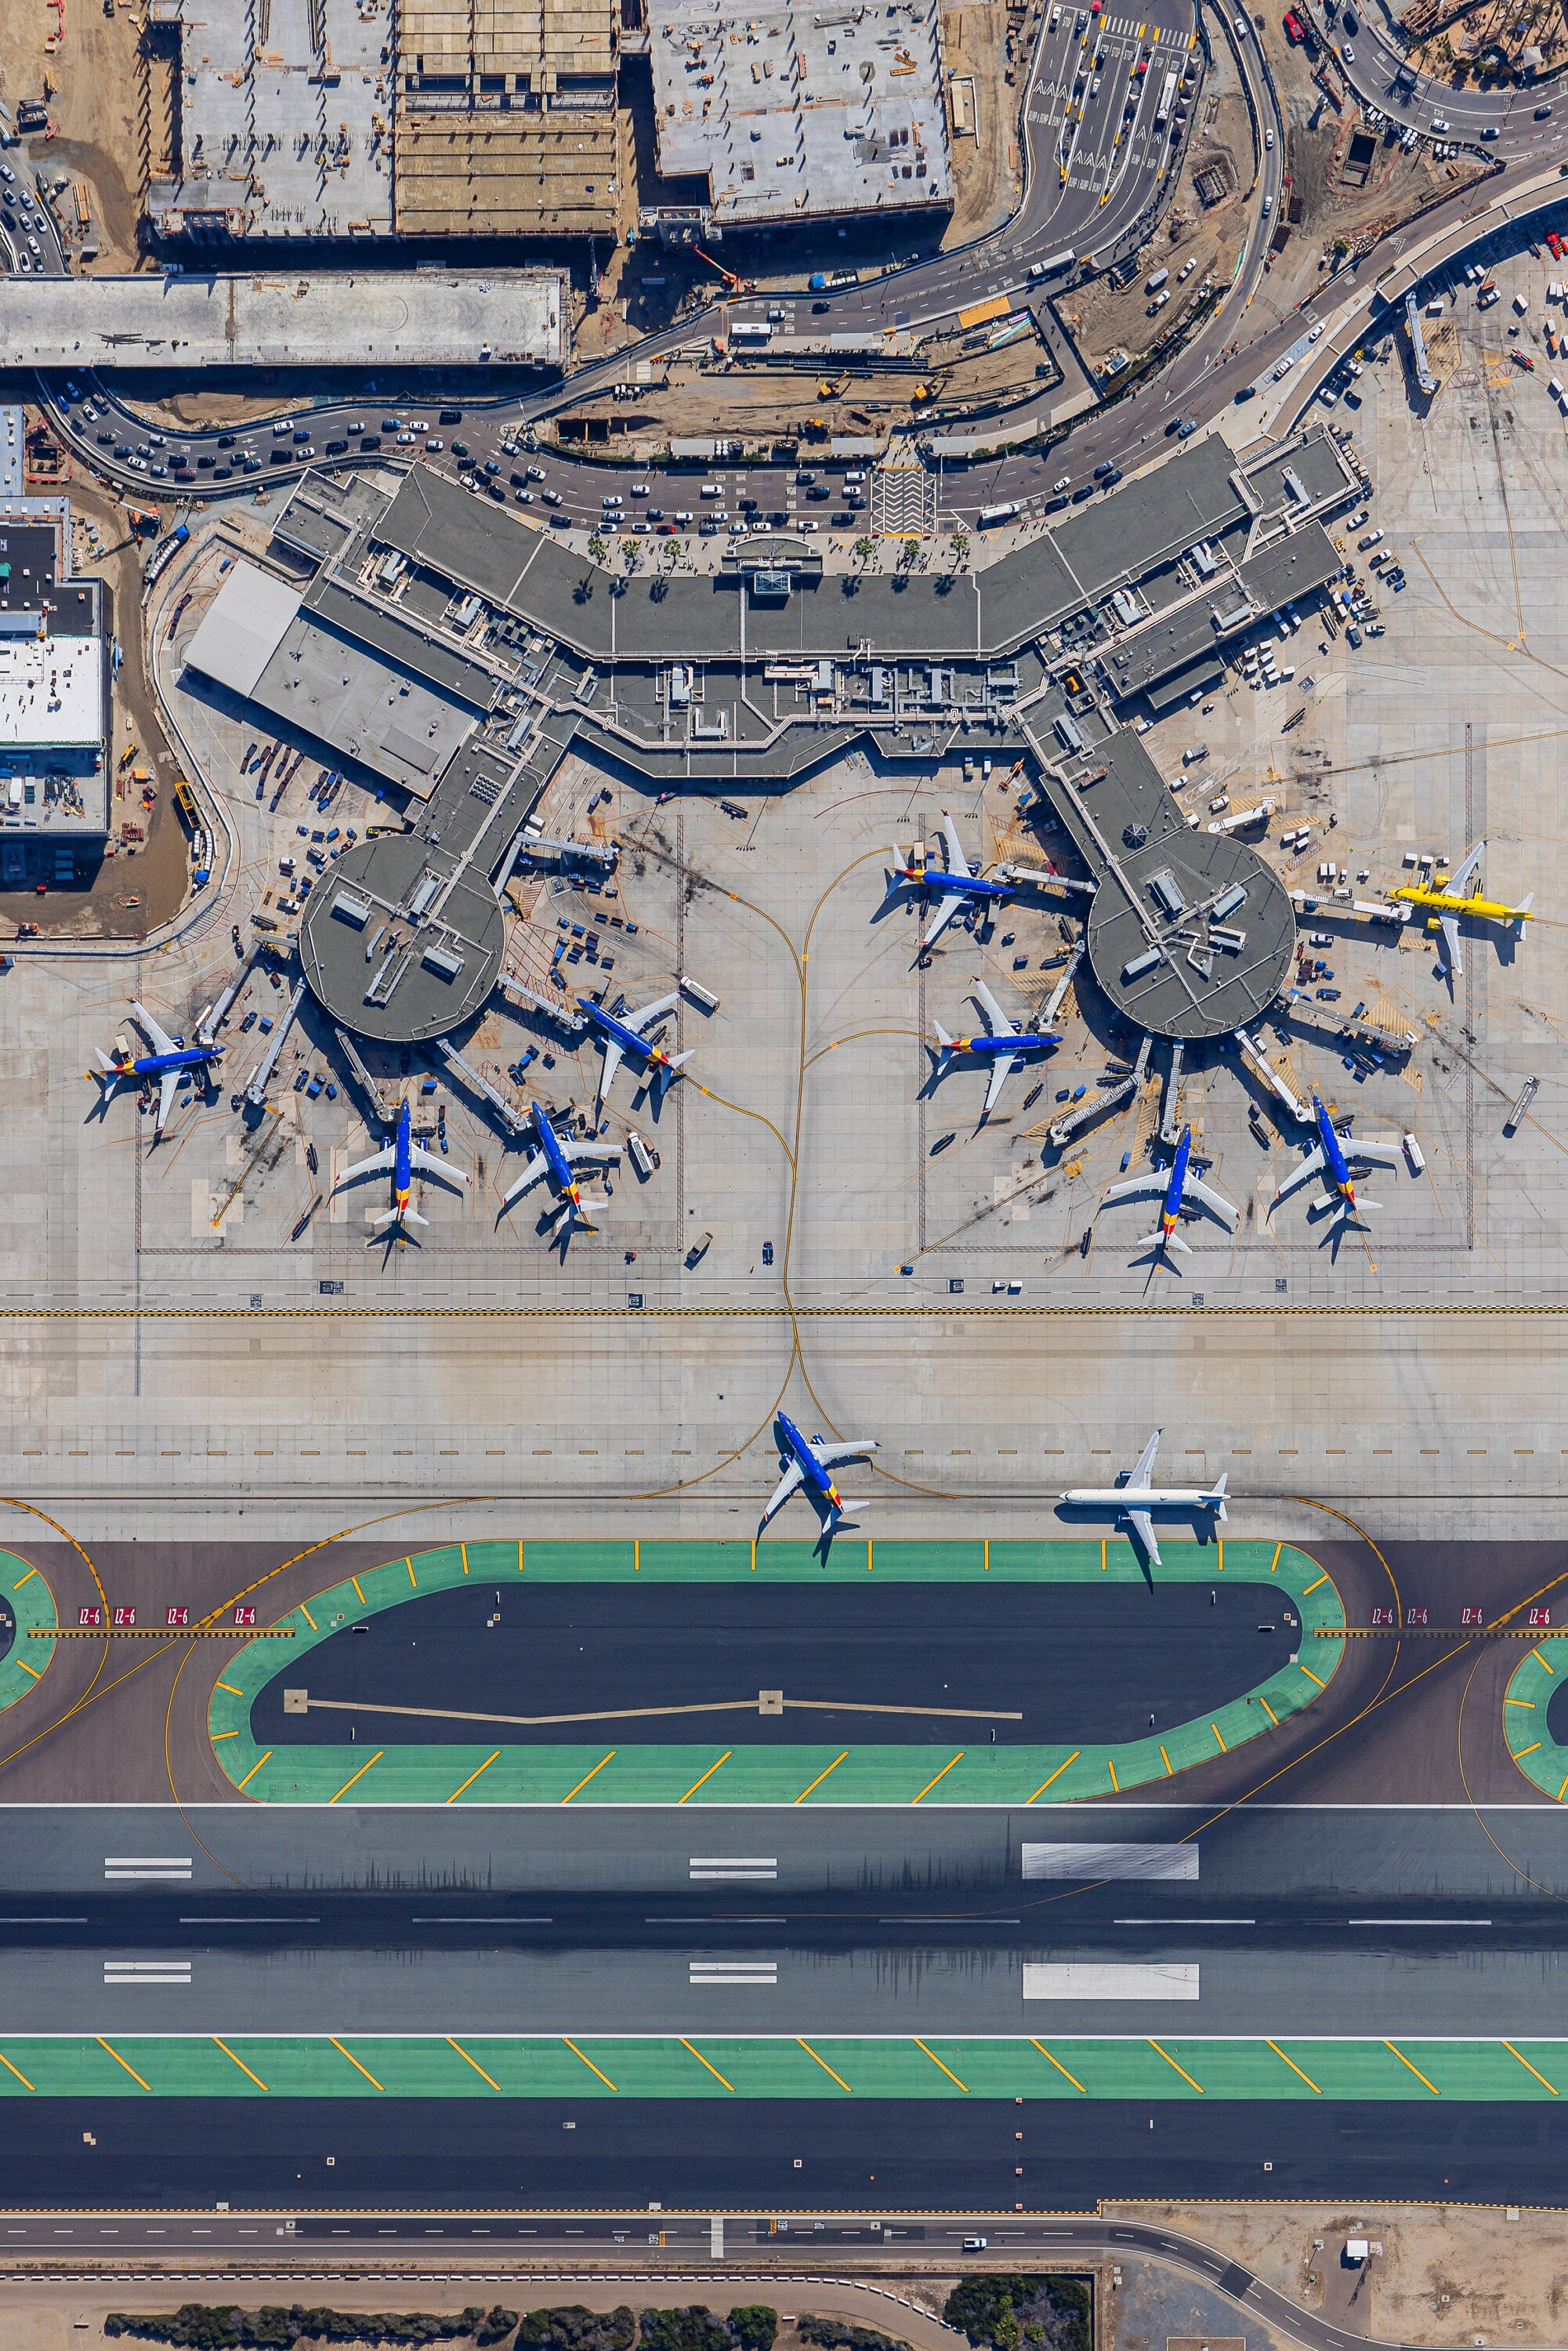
<point>1483,47</point>
<point>978,45</point>
<point>1449,2275</point>
<point>95,110</point>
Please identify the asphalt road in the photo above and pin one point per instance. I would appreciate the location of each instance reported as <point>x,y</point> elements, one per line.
<point>954,2159</point>
<point>885,1662</point>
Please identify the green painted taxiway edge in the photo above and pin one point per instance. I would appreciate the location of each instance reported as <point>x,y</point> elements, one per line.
<point>489,1772</point>
<point>26,1592</point>
<point>490,2066</point>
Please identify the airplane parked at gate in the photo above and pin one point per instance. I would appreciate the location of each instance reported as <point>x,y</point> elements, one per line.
<point>807,1466</point>
<point>1332,1160</point>
<point>954,886</point>
<point>168,1062</point>
<point>1002,1047</point>
<point>401,1156</point>
<point>1177,1185</point>
<point>1138,1498</point>
<point>1449,901</point>
<point>558,1161</point>
<point>627,1033</point>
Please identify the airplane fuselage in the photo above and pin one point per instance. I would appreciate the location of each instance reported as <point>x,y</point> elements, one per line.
<point>158,1065</point>
<point>1141,1498</point>
<point>1337,1171</point>
<point>939,883</point>
<point>559,1166</point>
<point>1170,1210</point>
<point>1445,902</point>
<point>811,1470</point>
<point>627,1039</point>
<point>990,1048</point>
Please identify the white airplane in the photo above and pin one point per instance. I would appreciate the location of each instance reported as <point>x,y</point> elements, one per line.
<point>1174,1186</point>
<point>559,1161</point>
<point>1136,1500</point>
<point>953,888</point>
<point>807,1464</point>
<point>1003,1046</point>
<point>399,1158</point>
<point>1331,1159</point>
<point>627,1032</point>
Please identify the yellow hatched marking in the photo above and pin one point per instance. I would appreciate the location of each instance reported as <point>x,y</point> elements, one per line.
<point>240,2063</point>
<point>1223,1749</point>
<point>1415,2069</point>
<point>825,2067</point>
<point>1165,1759</point>
<point>519,1555</point>
<point>1530,2069</point>
<point>355,1582</point>
<point>937,2061</point>
<point>1105,1561</point>
<point>821,1777</point>
<point>1519,1751</point>
<point>1061,2069</point>
<point>452,1799</point>
<point>1268,1710</point>
<point>26,1668</point>
<point>708,1775</point>
<point>1296,2069</point>
<point>941,1775</point>
<point>1274,1563</point>
<point>868,1556</point>
<point>1111,1767</point>
<point>1056,1775</point>
<point>463,1549</point>
<point>358,1776</point>
<point>1312,1587</point>
<point>589,2064</point>
<point>986,1564</point>
<point>703,2061</point>
<point>308,1616</point>
<point>12,2069</point>
<point>636,1555</point>
<point>1221,1550</point>
<point>1529,1702</point>
<point>225,1734</point>
<point>256,1768</point>
<point>16,1587</point>
<point>586,1777</point>
<point>354,2062</point>
<point>1546,1662</point>
<point>412,1577</point>
<point>1180,2069</point>
<point>1312,1677</point>
<point>123,2061</point>
<point>231,1689</point>
<point>475,2063</point>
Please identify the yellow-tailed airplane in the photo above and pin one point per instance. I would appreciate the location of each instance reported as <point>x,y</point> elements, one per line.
<point>1452,900</point>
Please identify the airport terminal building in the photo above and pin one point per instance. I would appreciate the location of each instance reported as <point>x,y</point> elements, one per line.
<point>437,646</point>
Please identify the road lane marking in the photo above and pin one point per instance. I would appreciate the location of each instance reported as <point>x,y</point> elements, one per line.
<point>175,1869</point>
<point>1111,1979</point>
<point>763,1867</point>
<point>732,1971</point>
<point>147,1972</point>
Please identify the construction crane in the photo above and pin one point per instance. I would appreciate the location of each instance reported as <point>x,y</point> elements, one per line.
<point>735,285</point>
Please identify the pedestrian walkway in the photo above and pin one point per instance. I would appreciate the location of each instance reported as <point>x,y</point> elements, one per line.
<point>718,1773</point>
<point>486,2065</point>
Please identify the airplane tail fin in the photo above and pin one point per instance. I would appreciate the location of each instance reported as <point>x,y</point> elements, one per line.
<point>675,1061</point>
<point>412,1216</point>
<point>1519,912</point>
<point>945,1044</point>
<point>1216,1494</point>
<point>846,1507</point>
<point>106,1068</point>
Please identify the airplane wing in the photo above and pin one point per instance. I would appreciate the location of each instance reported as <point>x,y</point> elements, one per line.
<point>615,1054</point>
<point>1214,1202</point>
<point>167,1084</point>
<point>433,1165</point>
<point>1141,1187</point>
<point>1450,927</point>
<point>830,1455</point>
<point>591,1154</point>
<point>1140,1475</point>
<point>538,1165</point>
<point>997,1020</point>
<point>161,1042</point>
<point>1311,1165</point>
<point>1143,1526</point>
<point>1464,868</point>
<point>1000,1068</point>
<point>789,1484</point>
<point>640,1020</point>
<point>946,910</point>
<point>371,1166</point>
<point>957,861</point>
<point>1376,1154</point>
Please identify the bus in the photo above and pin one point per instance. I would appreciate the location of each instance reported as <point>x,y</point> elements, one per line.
<point>989,516</point>
<point>1167,99</point>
